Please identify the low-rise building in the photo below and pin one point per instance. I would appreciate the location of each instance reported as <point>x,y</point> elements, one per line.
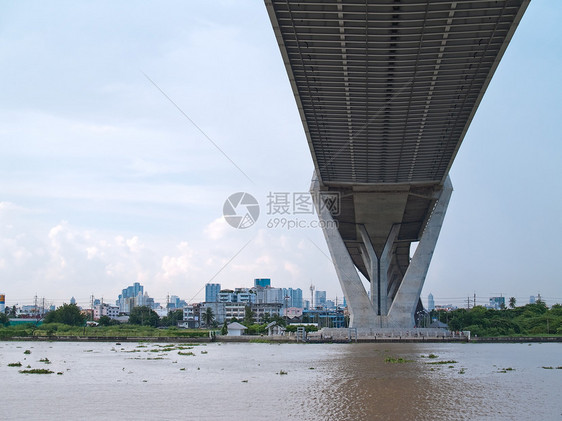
<point>106,309</point>
<point>235,329</point>
<point>271,309</point>
<point>190,317</point>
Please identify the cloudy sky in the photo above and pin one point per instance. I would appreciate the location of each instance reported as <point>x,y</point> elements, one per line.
<point>109,174</point>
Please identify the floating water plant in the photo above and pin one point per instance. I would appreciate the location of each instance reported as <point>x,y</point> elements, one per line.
<point>37,371</point>
<point>394,360</point>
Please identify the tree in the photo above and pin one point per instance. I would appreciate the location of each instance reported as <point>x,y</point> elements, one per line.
<point>512,302</point>
<point>68,314</point>
<point>172,318</point>
<point>107,321</point>
<point>248,316</point>
<point>224,330</point>
<point>208,317</point>
<point>144,316</point>
<point>4,320</point>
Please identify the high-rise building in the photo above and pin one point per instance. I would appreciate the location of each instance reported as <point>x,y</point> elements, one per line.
<point>292,297</point>
<point>320,298</point>
<point>262,282</point>
<point>2,303</point>
<point>270,295</point>
<point>212,293</point>
<point>130,297</point>
<point>430,302</point>
<point>497,302</point>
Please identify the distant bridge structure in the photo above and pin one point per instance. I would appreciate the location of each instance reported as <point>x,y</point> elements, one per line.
<point>386,91</point>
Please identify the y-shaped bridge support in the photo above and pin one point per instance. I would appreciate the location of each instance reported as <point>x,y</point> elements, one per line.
<point>379,312</point>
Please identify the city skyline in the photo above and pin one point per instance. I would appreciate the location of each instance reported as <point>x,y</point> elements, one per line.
<point>107,183</point>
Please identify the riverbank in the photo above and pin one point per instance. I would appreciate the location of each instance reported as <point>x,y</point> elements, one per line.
<point>284,339</point>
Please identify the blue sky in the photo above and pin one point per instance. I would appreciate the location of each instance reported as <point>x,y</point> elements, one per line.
<point>105,182</point>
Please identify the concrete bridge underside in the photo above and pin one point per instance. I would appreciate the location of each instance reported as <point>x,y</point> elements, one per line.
<point>386,91</point>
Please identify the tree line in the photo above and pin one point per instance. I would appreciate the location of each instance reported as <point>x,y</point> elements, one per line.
<point>70,314</point>
<point>531,319</point>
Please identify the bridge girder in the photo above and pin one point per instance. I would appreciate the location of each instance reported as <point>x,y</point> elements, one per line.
<point>386,91</point>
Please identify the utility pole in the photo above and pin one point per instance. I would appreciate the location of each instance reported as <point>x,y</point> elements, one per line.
<point>468,302</point>
<point>474,302</point>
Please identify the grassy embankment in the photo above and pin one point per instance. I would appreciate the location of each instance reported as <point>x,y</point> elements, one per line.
<point>55,330</point>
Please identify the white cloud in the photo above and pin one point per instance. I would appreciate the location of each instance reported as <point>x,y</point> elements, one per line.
<point>217,229</point>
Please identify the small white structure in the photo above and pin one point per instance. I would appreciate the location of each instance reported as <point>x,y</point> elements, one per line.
<point>274,329</point>
<point>235,329</point>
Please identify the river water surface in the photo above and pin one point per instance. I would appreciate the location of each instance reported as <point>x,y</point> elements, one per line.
<point>247,381</point>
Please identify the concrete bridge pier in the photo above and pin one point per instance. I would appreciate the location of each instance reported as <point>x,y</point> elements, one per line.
<point>378,267</point>
<point>402,310</point>
<point>394,307</point>
<point>361,311</point>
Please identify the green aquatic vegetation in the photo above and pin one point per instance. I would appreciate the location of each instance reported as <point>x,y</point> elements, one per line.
<point>282,372</point>
<point>162,349</point>
<point>18,364</point>
<point>59,373</point>
<point>548,367</point>
<point>27,352</point>
<point>37,371</point>
<point>444,362</point>
<point>462,371</point>
<point>186,353</point>
<point>45,360</point>
<point>399,360</point>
